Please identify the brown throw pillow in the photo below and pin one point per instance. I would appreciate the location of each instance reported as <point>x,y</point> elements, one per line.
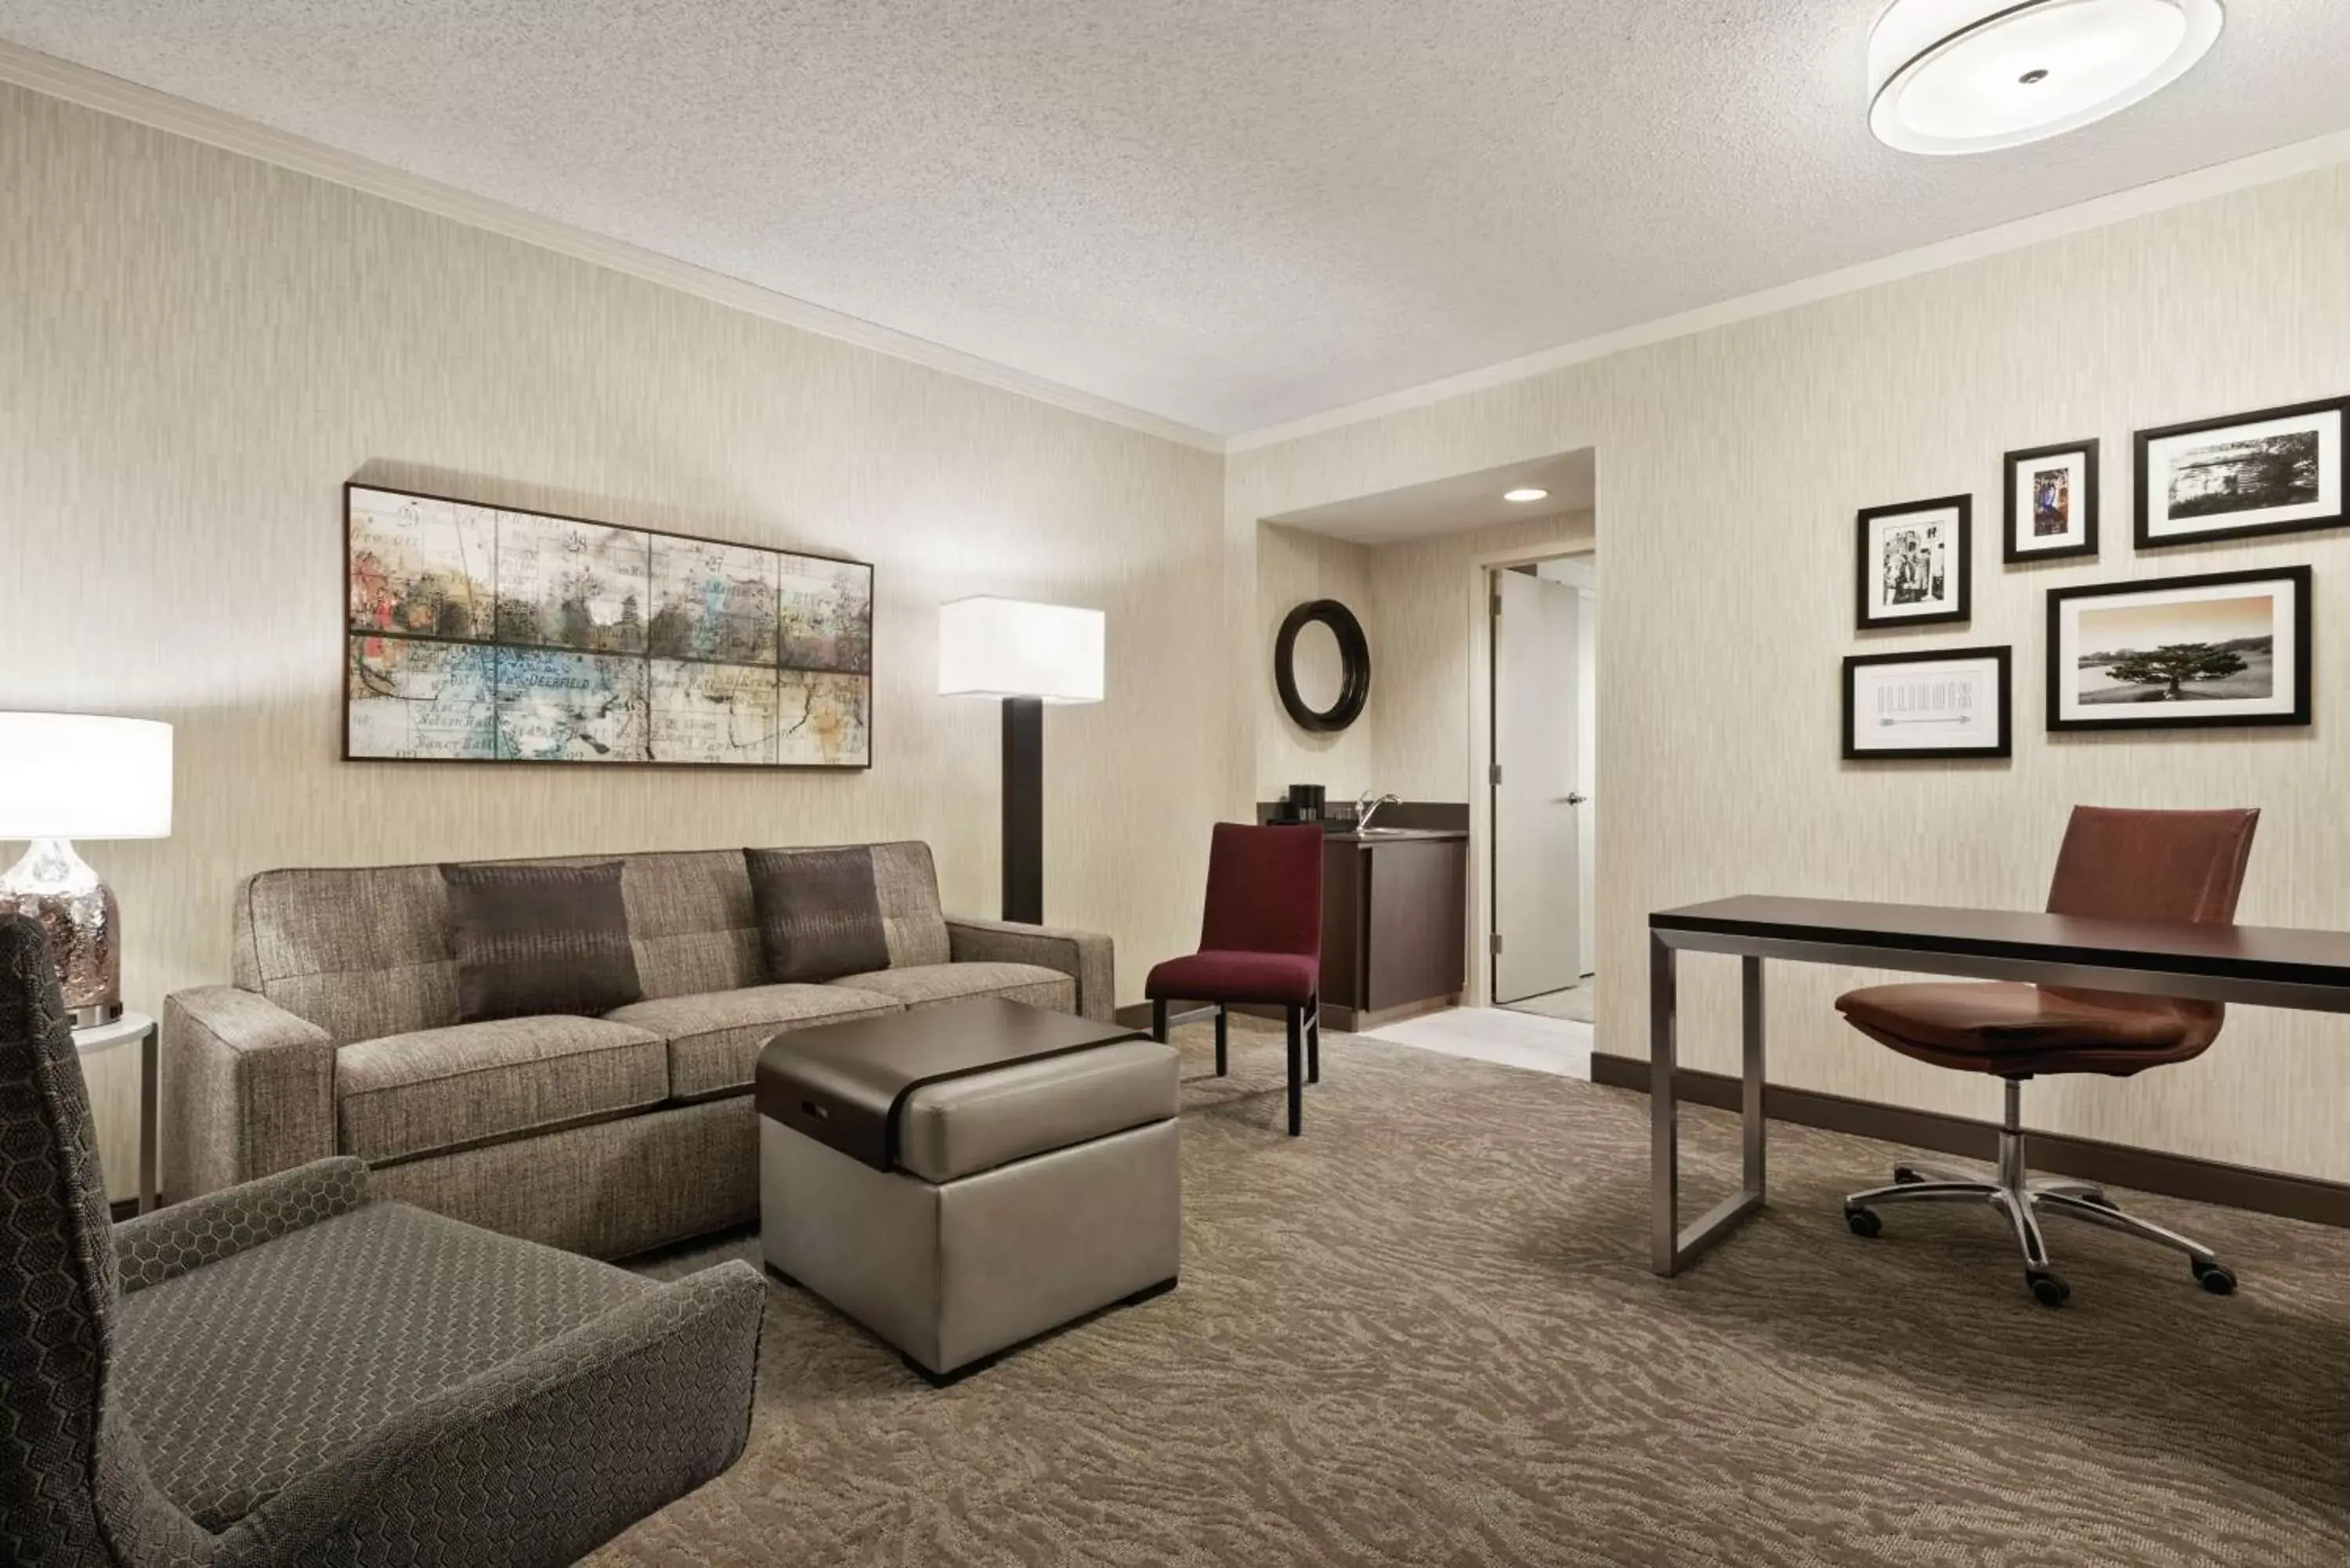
<point>534,940</point>
<point>819,913</point>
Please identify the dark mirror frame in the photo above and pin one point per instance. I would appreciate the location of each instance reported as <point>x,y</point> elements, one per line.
<point>1354,658</point>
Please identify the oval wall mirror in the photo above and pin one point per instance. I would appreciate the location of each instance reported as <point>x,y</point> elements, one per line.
<point>1321,666</point>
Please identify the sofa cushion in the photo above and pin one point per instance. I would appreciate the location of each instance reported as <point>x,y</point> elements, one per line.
<point>536,940</point>
<point>926,985</point>
<point>820,915</point>
<point>441,1089</point>
<point>246,1374</point>
<point>714,1038</point>
<point>965,1126</point>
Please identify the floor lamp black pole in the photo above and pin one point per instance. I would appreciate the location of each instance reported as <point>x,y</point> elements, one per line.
<point>1023,810</point>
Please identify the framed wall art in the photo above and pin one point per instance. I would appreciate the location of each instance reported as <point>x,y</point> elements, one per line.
<point>2051,503</point>
<point>2276,471</point>
<point>1914,563</point>
<point>2225,647</point>
<point>482,634</point>
<point>1952,702</point>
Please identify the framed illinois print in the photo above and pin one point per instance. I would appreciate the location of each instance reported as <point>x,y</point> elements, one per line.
<point>1914,563</point>
<point>2276,471</point>
<point>2225,647</point>
<point>1952,702</point>
<point>2051,503</point>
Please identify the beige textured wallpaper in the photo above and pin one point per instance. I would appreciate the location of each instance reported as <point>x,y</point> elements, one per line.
<point>197,349</point>
<point>1730,465</point>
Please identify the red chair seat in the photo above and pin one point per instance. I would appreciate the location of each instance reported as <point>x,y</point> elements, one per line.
<point>1212,976</point>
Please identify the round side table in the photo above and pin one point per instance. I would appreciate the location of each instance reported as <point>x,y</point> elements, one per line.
<point>123,1031</point>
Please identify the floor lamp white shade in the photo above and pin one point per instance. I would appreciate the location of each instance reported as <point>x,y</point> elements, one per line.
<point>1013,648</point>
<point>65,776</point>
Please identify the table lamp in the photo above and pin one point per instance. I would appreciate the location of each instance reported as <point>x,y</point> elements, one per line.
<point>65,776</point>
<point>1028,655</point>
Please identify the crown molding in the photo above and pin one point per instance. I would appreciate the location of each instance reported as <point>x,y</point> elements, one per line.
<point>125,100</point>
<point>2102,211</point>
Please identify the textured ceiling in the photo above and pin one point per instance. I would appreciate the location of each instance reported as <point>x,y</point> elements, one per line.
<point>1228,212</point>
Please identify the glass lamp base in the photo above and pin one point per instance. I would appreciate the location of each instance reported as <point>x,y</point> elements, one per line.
<point>76,912</point>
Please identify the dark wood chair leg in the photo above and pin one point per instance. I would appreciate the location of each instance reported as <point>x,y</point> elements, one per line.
<point>1313,1041</point>
<point>1159,1021</point>
<point>1223,1015</point>
<point>1296,1070</point>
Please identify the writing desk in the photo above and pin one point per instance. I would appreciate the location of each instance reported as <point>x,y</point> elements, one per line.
<point>2262,966</point>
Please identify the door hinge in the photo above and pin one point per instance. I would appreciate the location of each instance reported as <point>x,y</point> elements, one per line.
<point>1497,606</point>
<point>1497,941</point>
<point>1495,773</point>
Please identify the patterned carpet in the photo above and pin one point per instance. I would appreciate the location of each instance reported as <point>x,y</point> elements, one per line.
<point>1426,1333</point>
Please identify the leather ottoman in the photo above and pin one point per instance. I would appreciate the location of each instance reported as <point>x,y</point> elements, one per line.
<point>963,1177</point>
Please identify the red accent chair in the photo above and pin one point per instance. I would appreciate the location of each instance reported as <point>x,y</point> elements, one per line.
<point>1260,942</point>
<point>2182,866</point>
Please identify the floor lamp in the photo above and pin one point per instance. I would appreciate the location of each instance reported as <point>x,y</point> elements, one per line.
<point>1030,656</point>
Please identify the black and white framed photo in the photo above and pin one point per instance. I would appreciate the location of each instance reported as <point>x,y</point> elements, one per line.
<point>1914,562</point>
<point>2226,648</point>
<point>2277,472</point>
<point>1952,702</point>
<point>2051,503</point>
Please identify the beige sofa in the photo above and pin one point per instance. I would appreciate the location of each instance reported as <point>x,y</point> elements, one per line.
<point>604,1136</point>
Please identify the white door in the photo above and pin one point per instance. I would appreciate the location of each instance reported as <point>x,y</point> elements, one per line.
<point>1587,773</point>
<point>1538,898</point>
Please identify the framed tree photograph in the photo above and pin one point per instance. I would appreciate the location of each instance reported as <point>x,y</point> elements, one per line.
<point>2051,503</point>
<point>2226,648</point>
<point>1914,563</point>
<point>1952,702</point>
<point>2276,471</point>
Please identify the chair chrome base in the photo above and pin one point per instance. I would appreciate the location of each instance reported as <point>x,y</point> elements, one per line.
<point>2021,1199</point>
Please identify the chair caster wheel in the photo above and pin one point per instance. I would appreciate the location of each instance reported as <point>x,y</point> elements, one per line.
<point>1863,1221</point>
<point>2217,1278</point>
<point>1904,1176</point>
<point>2048,1288</point>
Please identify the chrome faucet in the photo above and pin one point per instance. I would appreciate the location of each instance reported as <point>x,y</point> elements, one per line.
<point>1366,809</point>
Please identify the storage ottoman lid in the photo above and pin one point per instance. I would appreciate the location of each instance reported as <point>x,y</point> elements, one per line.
<point>968,1124</point>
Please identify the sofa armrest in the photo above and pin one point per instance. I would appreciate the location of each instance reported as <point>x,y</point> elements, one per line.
<point>248,1090</point>
<point>548,1456</point>
<point>1086,957</point>
<point>171,1241</point>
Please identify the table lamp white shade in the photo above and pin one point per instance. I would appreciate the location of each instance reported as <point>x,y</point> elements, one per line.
<point>1012,647</point>
<point>83,776</point>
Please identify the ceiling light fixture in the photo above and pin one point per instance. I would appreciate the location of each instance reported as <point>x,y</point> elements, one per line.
<point>1975,75</point>
<point>1525,493</point>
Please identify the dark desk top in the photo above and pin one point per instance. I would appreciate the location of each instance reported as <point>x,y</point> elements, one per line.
<point>2274,956</point>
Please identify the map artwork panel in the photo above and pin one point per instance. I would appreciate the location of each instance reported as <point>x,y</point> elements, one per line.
<point>570,707</point>
<point>824,718</point>
<point>563,584</point>
<point>712,601</point>
<point>712,713</point>
<point>420,566</point>
<point>429,700</point>
<point>827,612</point>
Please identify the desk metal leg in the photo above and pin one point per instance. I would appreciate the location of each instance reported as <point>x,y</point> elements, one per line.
<point>146,1119</point>
<point>1673,1249</point>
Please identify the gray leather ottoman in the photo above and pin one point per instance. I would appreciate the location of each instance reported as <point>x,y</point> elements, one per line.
<point>963,1177</point>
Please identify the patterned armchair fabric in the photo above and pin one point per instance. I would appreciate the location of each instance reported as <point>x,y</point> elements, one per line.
<point>252,1380</point>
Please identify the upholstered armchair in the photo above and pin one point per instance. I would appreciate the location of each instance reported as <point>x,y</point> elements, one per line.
<point>289,1374</point>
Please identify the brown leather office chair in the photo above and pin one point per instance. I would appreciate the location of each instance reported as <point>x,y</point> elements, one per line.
<point>2114,864</point>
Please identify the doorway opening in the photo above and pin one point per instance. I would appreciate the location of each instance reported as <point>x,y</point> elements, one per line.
<point>1544,623</point>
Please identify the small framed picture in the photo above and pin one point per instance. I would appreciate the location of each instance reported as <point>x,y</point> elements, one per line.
<point>1915,561</point>
<point>1948,703</point>
<point>2051,503</point>
<point>2278,472</point>
<point>2228,647</point>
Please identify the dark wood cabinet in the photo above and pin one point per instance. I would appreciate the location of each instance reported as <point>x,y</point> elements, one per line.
<point>1395,914</point>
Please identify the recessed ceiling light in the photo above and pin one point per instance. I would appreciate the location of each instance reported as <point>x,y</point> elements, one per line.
<point>1975,75</point>
<point>1525,493</point>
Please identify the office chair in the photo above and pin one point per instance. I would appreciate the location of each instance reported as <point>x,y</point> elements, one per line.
<point>2178,866</point>
<point>1260,942</point>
